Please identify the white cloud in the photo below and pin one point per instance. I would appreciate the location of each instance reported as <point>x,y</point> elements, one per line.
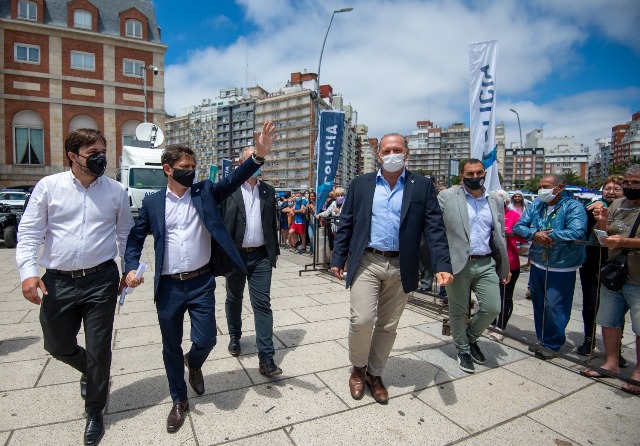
<point>404,61</point>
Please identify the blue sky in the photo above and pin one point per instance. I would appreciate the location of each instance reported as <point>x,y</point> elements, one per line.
<point>569,67</point>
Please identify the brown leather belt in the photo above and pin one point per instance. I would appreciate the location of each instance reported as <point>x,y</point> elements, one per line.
<point>383,253</point>
<point>82,272</point>
<point>253,248</point>
<point>189,275</point>
<point>484,256</point>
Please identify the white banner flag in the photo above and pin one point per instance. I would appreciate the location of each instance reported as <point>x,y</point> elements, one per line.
<point>482,95</point>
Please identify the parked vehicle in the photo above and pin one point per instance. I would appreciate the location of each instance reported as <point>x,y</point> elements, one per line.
<point>15,199</point>
<point>8,226</point>
<point>141,174</point>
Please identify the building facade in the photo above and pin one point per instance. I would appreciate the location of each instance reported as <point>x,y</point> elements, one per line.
<point>424,150</point>
<point>562,154</point>
<point>521,165</point>
<point>625,140</point>
<point>75,64</point>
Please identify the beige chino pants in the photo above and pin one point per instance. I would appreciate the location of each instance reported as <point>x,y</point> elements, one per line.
<point>377,302</point>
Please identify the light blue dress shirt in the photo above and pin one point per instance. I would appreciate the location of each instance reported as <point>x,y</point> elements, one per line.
<point>480,223</point>
<point>385,215</point>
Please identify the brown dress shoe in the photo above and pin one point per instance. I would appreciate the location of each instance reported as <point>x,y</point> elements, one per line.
<point>177,415</point>
<point>356,382</point>
<point>378,390</point>
<point>195,377</point>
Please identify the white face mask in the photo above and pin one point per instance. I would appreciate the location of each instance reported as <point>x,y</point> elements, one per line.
<point>546,195</point>
<point>393,163</point>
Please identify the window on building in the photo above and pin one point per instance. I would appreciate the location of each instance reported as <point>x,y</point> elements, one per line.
<point>26,53</point>
<point>83,61</point>
<point>27,10</point>
<point>81,19</point>
<point>133,67</point>
<point>28,138</point>
<point>133,28</point>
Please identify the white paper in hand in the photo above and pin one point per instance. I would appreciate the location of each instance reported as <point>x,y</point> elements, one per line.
<point>139,272</point>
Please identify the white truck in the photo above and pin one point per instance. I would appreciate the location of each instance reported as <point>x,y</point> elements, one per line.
<point>141,174</point>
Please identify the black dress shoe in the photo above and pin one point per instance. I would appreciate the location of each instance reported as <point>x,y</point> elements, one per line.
<point>269,368</point>
<point>83,386</point>
<point>195,377</point>
<point>94,430</point>
<point>234,347</point>
<point>177,415</point>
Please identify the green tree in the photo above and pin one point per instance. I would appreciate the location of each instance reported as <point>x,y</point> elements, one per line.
<point>573,179</point>
<point>619,168</point>
<point>532,184</point>
<point>455,181</point>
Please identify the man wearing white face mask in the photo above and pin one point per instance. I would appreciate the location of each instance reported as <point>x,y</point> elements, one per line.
<point>552,222</point>
<point>381,222</point>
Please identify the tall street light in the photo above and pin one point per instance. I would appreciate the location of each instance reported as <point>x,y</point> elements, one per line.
<point>519,128</point>
<point>337,11</point>
<point>143,71</point>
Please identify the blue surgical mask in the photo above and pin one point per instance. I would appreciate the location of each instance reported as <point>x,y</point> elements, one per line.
<point>298,199</point>
<point>291,203</point>
<point>256,173</point>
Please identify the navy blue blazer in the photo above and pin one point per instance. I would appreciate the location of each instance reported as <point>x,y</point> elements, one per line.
<point>420,215</point>
<point>205,196</point>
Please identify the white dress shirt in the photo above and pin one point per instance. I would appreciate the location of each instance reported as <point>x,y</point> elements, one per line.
<point>80,228</point>
<point>253,232</point>
<point>187,243</point>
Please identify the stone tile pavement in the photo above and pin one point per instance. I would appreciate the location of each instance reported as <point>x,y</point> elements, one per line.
<point>513,399</point>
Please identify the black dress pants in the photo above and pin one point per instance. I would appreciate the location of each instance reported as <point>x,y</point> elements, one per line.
<point>90,300</point>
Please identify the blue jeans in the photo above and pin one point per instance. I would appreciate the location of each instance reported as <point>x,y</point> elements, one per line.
<point>175,297</point>
<point>259,279</point>
<point>560,288</point>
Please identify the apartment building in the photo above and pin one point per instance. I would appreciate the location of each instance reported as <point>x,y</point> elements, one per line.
<point>424,149</point>
<point>521,165</point>
<point>625,140</point>
<point>75,64</point>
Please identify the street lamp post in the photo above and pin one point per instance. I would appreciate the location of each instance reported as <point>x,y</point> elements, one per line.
<point>143,70</point>
<point>519,128</point>
<point>337,11</point>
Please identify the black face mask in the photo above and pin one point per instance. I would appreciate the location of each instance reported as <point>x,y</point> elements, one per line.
<point>184,177</point>
<point>473,183</point>
<point>631,194</point>
<point>96,163</point>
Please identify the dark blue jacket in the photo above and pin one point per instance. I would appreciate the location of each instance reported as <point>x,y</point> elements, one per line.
<point>206,196</point>
<point>420,216</point>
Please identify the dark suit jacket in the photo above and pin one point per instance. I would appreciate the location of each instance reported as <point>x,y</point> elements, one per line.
<point>420,214</point>
<point>205,196</point>
<point>235,218</point>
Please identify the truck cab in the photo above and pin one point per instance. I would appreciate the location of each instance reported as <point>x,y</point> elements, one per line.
<point>141,174</point>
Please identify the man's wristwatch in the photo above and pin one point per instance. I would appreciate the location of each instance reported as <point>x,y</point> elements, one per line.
<point>258,159</point>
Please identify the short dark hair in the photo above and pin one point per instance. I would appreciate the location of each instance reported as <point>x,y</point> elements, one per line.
<point>471,161</point>
<point>81,138</point>
<point>174,152</point>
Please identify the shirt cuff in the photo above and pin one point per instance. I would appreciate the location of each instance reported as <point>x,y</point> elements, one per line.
<point>28,271</point>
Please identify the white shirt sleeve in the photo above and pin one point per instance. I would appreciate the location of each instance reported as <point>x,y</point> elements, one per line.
<point>31,231</point>
<point>124,223</point>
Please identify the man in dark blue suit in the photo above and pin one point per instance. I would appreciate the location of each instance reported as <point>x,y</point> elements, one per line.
<point>381,224</point>
<point>192,246</point>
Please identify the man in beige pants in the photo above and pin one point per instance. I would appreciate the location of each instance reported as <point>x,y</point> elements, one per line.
<point>382,220</point>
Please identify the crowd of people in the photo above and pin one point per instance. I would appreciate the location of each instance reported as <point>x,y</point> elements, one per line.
<point>391,231</point>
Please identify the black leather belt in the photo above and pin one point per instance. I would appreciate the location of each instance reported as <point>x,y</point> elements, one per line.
<point>383,253</point>
<point>82,272</point>
<point>252,248</point>
<point>189,275</point>
<point>484,256</point>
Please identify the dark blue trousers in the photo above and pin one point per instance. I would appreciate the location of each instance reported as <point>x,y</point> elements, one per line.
<point>175,297</point>
<point>259,279</point>
<point>557,311</point>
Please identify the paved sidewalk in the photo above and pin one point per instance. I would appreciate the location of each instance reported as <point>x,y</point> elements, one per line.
<point>514,399</point>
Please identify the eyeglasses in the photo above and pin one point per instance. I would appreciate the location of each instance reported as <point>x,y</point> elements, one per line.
<point>612,189</point>
<point>631,184</point>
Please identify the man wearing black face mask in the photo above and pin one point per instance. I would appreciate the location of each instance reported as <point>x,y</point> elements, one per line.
<point>192,247</point>
<point>83,218</point>
<point>478,250</point>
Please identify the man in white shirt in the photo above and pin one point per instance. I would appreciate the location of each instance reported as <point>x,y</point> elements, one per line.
<point>250,216</point>
<point>192,246</point>
<point>84,219</point>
